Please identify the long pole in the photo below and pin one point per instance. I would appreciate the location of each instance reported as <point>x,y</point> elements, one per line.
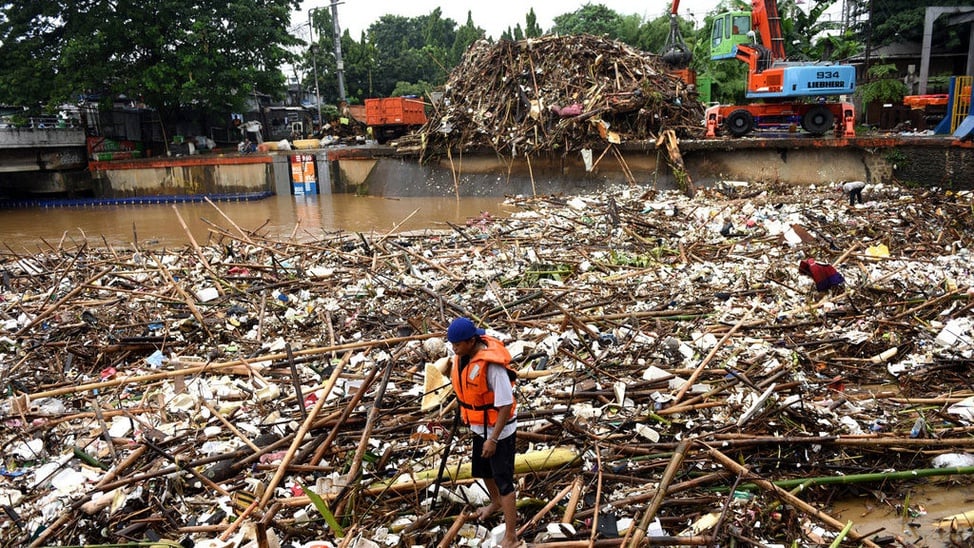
<point>338,51</point>
<point>314,61</point>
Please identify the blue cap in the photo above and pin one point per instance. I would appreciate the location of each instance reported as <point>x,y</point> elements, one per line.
<point>462,329</point>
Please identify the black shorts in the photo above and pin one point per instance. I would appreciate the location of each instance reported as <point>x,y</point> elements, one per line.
<point>500,466</point>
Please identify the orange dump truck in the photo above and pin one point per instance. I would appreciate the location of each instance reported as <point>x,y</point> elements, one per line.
<point>391,117</point>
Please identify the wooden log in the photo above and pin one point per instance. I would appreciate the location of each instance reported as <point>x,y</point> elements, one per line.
<point>454,529</point>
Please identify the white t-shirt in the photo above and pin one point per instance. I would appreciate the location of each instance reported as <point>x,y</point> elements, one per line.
<point>500,384</point>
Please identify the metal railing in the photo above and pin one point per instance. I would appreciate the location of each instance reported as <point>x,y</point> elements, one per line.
<point>41,122</point>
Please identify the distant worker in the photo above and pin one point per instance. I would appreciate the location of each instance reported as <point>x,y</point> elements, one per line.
<point>854,190</point>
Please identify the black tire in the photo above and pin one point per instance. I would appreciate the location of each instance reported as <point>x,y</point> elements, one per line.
<point>739,123</point>
<point>818,120</point>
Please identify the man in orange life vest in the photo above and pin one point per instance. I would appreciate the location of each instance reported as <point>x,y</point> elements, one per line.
<point>484,383</point>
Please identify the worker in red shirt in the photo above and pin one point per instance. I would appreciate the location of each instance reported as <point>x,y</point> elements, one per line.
<point>484,384</point>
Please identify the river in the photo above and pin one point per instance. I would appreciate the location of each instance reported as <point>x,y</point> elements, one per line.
<point>304,217</point>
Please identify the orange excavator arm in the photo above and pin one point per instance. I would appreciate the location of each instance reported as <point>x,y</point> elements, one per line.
<point>765,18</point>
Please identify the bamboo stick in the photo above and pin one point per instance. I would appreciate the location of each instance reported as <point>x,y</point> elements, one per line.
<point>240,231</point>
<point>322,450</point>
<point>798,503</point>
<point>77,505</point>
<point>190,302</point>
<point>51,309</point>
<point>454,529</point>
<point>199,252</point>
<point>573,500</point>
<point>671,469</point>
<point>546,508</point>
<point>713,352</point>
<point>352,476</point>
<point>298,438</point>
<point>236,432</point>
<point>551,459</point>
<point>200,367</point>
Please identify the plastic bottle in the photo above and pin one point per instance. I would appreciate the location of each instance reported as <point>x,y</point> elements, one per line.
<point>918,428</point>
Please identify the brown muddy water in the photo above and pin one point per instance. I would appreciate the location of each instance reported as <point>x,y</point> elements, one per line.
<point>277,217</point>
<point>910,513</point>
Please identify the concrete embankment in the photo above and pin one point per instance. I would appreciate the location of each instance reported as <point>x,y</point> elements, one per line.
<point>379,171</point>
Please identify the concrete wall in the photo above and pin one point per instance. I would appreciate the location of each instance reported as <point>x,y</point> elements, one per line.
<point>40,138</point>
<point>805,167</point>
<point>160,178</point>
<point>495,176</point>
<point>950,168</point>
<point>376,172</point>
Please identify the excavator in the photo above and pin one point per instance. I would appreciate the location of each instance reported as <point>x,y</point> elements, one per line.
<point>675,52</point>
<point>791,93</point>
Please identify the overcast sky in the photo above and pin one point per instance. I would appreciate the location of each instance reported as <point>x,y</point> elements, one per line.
<point>494,16</point>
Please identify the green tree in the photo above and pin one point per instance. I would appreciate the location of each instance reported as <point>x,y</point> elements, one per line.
<point>630,29</point>
<point>207,55</point>
<point>465,35</point>
<point>419,89</point>
<point>411,50</point>
<point>593,19</point>
<point>361,62</point>
<point>531,27</point>
<point>518,32</point>
<point>892,21</point>
<point>884,85</point>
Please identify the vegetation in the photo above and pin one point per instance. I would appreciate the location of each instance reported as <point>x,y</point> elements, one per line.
<point>172,55</point>
<point>884,85</point>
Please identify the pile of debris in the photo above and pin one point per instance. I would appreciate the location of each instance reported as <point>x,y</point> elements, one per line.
<point>555,94</point>
<point>679,375</point>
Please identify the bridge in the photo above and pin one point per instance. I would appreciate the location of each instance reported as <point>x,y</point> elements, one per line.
<point>43,158</point>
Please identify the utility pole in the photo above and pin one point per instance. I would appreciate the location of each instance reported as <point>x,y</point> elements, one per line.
<point>338,50</point>
<point>314,61</point>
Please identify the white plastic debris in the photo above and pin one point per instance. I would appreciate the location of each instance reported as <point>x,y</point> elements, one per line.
<point>47,407</point>
<point>29,450</point>
<point>647,432</point>
<point>207,294</point>
<point>957,333</point>
<point>120,426</point>
<point>653,373</point>
<point>268,392</point>
<point>182,402</point>
<point>67,481</point>
<point>360,542</point>
<point>964,409</point>
<point>758,403</point>
<point>156,359</point>
<point>884,356</point>
<point>558,531</point>
<point>851,425</point>
<point>953,460</point>
<point>10,497</point>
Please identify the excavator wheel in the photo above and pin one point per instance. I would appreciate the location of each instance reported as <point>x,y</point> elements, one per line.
<point>739,123</point>
<point>818,120</point>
